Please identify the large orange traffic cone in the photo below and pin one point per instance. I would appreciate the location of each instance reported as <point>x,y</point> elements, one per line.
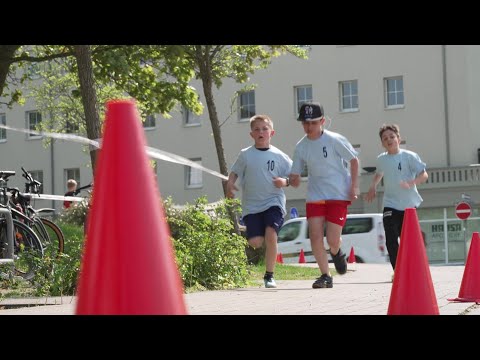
<point>351,257</point>
<point>301,258</point>
<point>128,265</point>
<point>412,290</point>
<point>470,288</point>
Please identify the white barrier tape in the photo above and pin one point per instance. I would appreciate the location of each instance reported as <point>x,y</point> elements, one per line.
<point>152,152</point>
<point>55,197</point>
<point>69,137</point>
<point>163,155</point>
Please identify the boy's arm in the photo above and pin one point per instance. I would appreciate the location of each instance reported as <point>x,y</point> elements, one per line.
<point>421,178</point>
<point>354,189</point>
<point>231,185</point>
<point>372,191</point>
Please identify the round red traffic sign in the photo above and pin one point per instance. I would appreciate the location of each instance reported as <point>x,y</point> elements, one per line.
<point>463,210</point>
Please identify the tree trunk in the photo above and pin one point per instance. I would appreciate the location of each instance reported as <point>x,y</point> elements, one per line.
<point>83,55</point>
<point>6,55</point>
<point>204,64</point>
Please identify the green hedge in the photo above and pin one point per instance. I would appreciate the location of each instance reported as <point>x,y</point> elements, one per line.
<point>209,254</point>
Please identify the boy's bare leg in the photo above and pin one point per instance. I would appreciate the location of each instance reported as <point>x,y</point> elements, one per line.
<point>334,233</point>
<point>271,248</point>
<point>315,225</point>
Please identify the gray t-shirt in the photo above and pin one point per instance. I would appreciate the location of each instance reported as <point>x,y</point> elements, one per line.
<point>327,159</point>
<point>255,170</point>
<point>404,166</point>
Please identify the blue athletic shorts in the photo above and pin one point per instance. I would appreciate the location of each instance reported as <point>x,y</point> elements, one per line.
<point>256,223</point>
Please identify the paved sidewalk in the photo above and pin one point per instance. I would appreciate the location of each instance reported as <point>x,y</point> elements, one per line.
<point>364,290</point>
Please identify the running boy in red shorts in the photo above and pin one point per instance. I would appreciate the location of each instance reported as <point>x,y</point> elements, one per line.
<point>331,187</point>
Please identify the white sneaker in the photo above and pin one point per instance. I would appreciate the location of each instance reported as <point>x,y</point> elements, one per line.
<point>270,283</point>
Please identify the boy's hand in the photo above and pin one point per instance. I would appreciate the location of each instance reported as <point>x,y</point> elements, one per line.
<point>295,180</point>
<point>230,190</point>
<point>370,195</point>
<point>406,184</point>
<point>279,182</point>
<point>354,191</point>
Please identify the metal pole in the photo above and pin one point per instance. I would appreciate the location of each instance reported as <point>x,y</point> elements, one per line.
<point>464,241</point>
<point>445,234</point>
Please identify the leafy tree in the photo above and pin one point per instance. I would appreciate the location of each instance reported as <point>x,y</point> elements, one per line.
<point>214,63</point>
<point>154,76</point>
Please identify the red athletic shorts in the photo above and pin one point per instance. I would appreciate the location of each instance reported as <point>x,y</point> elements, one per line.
<point>334,211</point>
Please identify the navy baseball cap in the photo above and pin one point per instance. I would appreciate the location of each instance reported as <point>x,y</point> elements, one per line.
<point>311,111</point>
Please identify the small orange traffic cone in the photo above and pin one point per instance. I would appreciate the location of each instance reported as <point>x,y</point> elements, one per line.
<point>470,288</point>
<point>301,258</point>
<point>279,258</point>
<point>351,257</point>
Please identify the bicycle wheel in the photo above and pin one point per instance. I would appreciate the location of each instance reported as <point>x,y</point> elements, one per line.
<point>3,238</point>
<point>55,234</point>
<point>27,246</point>
<point>37,226</point>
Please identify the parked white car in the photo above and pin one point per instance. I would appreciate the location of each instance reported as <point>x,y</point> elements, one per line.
<point>362,231</point>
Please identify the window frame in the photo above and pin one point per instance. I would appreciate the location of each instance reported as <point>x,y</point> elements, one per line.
<point>188,173</point>
<point>67,177</point>
<point>241,106</point>
<point>190,119</point>
<point>72,127</point>
<point>35,174</point>
<point>28,124</point>
<point>148,121</point>
<point>386,80</point>
<point>352,96</point>
<point>298,102</point>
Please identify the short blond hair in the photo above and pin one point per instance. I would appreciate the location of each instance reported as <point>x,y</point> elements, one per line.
<point>71,183</point>
<point>264,118</point>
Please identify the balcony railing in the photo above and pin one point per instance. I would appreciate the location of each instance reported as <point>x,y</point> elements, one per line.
<point>445,177</point>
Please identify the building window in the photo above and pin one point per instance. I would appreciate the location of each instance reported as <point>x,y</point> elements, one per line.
<point>38,175</point>
<point>72,174</point>
<point>3,132</point>
<point>33,71</point>
<point>193,176</point>
<point>394,97</point>
<point>303,94</point>
<point>150,122</point>
<point>349,96</point>
<point>34,118</point>
<point>71,127</point>
<point>190,118</point>
<point>246,104</point>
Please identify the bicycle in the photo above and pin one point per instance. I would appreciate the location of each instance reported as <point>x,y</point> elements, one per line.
<point>47,230</point>
<point>18,242</point>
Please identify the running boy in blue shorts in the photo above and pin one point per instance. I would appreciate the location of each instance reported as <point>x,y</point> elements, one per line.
<point>263,170</point>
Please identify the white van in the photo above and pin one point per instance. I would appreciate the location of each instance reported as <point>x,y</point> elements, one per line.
<point>362,231</point>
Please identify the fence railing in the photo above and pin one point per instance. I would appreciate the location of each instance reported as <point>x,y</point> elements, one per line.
<point>445,177</point>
